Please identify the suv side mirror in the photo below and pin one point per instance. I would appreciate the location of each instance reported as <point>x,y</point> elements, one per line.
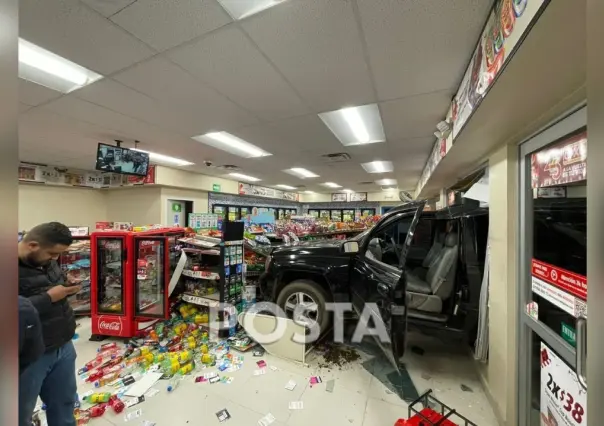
<point>350,247</point>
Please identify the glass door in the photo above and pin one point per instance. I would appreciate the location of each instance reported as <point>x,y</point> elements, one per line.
<point>245,211</point>
<point>324,214</point>
<point>553,275</point>
<point>111,259</point>
<point>233,213</point>
<point>367,212</point>
<point>220,211</point>
<point>75,263</point>
<point>313,213</point>
<point>336,215</point>
<point>174,251</point>
<point>348,215</point>
<point>150,280</point>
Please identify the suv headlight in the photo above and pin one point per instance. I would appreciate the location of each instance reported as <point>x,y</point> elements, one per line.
<point>267,263</point>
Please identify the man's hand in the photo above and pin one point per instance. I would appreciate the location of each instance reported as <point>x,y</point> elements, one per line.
<point>60,292</point>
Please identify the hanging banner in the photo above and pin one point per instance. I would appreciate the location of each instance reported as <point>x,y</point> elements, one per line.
<point>563,399</point>
<point>562,163</point>
<point>261,191</point>
<point>564,289</point>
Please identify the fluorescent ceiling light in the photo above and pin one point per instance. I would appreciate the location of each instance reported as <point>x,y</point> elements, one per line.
<point>309,192</point>
<point>386,182</point>
<point>49,70</point>
<point>347,190</point>
<point>244,177</point>
<point>332,185</point>
<point>355,125</point>
<point>241,9</point>
<point>301,173</point>
<point>291,188</point>
<point>232,144</point>
<point>160,158</point>
<point>378,167</point>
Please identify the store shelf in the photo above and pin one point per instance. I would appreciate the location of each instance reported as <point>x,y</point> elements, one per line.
<point>203,275</point>
<point>253,273</point>
<point>211,300</point>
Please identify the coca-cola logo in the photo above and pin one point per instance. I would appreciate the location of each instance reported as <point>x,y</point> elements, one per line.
<point>110,325</point>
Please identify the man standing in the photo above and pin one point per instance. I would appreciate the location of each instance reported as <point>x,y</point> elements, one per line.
<point>52,377</point>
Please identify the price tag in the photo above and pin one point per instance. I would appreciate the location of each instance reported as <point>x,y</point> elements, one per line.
<point>563,400</point>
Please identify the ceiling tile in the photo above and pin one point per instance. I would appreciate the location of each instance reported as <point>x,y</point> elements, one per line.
<point>415,116</point>
<point>420,46</point>
<point>229,62</point>
<point>74,31</point>
<point>33,94</point>
<point>170,84</point>
<point>168,23</point>
<point>107,7</point>
<point>316,45</point>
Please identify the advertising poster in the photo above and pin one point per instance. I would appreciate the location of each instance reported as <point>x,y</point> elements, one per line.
<point>358,196</point>
<point>339,196</point>
<point>261,191</point>
<point>199,221</point>
<point>563,400</point>
<point>563,288</point>
<point>505,26</point>
<point>564,162</point>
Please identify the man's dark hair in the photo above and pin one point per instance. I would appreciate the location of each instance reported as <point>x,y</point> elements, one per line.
<point>49,234</point>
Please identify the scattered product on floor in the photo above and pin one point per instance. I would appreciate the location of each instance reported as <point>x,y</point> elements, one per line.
<point>223,415</point>
<point>336,355</point>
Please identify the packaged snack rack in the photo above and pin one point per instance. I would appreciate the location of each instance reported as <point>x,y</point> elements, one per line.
<point>213,277</point>
<point>75,263</point>
<point>130,284</point>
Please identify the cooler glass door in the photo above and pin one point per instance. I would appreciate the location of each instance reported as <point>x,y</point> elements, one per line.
<point>75,263</point>
<point>173,251</point>
<point>336,215</point>
<point>244,212</point>
<point>324,214</point>
<point>233,214</point>
<point>313,213</point>
<point>150,279</point>
<point>348,215</point>
<point>111,274</point>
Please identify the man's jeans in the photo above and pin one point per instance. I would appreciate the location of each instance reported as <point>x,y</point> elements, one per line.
<point>53,378</point>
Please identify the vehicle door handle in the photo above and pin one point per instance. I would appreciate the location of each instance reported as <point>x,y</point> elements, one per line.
<point>581,351</point>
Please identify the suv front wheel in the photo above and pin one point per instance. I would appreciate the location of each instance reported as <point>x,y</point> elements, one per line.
<point>304,302</point>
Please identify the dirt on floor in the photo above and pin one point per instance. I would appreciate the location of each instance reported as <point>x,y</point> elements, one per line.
<point>337,355</point>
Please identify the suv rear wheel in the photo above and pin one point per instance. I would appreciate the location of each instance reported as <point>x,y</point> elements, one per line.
<point>304,301</point>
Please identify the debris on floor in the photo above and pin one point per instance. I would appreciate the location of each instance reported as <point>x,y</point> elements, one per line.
<point>296,405</point>
<point>336,355</point>
<point>466,388</point>
<point>223,415</point>
<point>266,420</point>
<point>330,385</point>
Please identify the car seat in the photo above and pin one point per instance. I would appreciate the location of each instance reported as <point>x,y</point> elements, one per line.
<point>429,294</point>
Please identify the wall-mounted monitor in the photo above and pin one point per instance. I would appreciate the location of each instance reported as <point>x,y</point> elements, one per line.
<point>115,159</point>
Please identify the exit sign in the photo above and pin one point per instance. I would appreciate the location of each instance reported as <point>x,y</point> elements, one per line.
<point>568,333</point>
<point>216,187</point>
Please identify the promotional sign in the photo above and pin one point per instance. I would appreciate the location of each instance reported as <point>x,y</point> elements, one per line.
<point>507,23</point>
<point>339,196</point>
<point>78,231</point>
<point>199,221</point>
<point>261,191</point>
<point>358,196</point>
<point>564,162</point>
<point>563,399</point>
<point>563,288</point>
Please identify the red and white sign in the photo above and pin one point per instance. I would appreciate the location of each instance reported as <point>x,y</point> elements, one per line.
<point>563,399</point>
<point>110,326</point>
<point>570,282</point>
<point>564,162</point>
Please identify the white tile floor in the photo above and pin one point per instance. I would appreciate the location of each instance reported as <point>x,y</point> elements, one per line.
<point>360,398</point>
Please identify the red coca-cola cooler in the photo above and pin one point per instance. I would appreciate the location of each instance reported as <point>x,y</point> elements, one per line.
<point>130,277</point>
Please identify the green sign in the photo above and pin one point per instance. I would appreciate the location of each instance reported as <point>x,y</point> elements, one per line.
<point>568,334</point>
<point>176,207</point>
<point>216,187</point>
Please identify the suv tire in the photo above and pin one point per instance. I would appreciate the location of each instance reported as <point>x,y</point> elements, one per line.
<point>315,292</point>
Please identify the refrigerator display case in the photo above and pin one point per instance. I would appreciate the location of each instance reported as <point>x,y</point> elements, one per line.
<point>336,215</point>
<point>367,212</point>
<point>313,213</point>
<point>233,213</point>
<point>220,211</point>
<point>75,263</point>
<point>130,279</point>
<point>324,214</point>
<point>348,215</point>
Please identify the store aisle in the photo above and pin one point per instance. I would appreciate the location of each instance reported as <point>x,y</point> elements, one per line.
<point>362,393</point>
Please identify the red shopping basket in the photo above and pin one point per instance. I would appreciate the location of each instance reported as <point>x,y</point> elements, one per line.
<point>432,413</point>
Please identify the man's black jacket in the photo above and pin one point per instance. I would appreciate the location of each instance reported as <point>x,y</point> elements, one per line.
<point>58,320</point>
<point>31,343</point>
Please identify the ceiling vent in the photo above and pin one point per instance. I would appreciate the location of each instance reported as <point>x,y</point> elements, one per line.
<point>365,183</point>
<point>300,186</point>
<point>338,157</point>
<point>229,167</point>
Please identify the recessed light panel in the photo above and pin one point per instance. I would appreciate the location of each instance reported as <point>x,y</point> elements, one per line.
<point>301,173</point>
<point>42,67</point>
<point>244,177</point>
<point>164,159</point>
<point>291,188</point>
<point>386,182</point>
<point>332,185</point>
<point>309,192</point>
<point>231,144</point>
<point>378,167</point>
<point>355,125</point>
<point>241,9</point>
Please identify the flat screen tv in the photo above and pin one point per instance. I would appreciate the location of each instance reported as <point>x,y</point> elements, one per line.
<point>115,159</point>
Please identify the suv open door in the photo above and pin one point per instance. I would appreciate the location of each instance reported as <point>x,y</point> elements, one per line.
<point>377,281</point>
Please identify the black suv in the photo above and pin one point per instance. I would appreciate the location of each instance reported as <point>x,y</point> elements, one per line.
<point>420,269</point>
